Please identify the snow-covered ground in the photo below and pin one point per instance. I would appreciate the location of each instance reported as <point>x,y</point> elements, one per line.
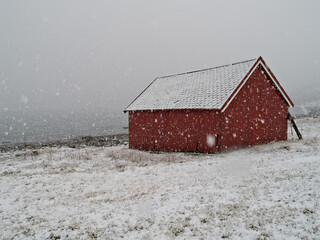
<point>265,192</point>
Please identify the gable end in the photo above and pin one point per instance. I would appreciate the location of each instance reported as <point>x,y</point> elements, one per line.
<point>259,62</point>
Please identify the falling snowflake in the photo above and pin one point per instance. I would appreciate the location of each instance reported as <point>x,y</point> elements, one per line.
<point>211,140</point>
<point>24,99</point>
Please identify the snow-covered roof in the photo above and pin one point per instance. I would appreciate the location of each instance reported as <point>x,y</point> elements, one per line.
<point>204,89</point>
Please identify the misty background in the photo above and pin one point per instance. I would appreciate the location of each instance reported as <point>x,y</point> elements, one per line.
<point>95,57</point>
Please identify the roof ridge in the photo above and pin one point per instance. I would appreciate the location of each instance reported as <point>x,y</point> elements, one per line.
<point>253,59</point>
<point>206,69</point>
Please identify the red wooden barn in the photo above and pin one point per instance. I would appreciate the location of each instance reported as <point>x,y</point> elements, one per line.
<point>210,110</point>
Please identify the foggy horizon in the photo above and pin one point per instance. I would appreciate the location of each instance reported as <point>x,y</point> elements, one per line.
<point>80,55</point>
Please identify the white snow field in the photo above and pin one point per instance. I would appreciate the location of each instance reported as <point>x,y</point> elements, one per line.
<point>265,192</point>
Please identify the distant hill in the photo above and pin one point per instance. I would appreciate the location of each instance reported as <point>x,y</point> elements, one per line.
<point>307,110</point>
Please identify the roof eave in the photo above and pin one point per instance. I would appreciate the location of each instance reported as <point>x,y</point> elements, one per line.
<point>125,110</point>
<point>174,109</point>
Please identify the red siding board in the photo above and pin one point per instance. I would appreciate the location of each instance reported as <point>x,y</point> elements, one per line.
<point>174,130</point>
<point>141,135</point>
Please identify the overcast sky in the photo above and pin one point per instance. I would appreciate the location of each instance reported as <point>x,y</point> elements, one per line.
<point>78,54</point>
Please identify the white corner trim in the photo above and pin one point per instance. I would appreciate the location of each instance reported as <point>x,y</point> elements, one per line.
<point>244,82</point>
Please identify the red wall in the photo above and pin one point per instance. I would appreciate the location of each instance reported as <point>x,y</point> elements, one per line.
<point>256,115</point>
<point>174,130</point>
